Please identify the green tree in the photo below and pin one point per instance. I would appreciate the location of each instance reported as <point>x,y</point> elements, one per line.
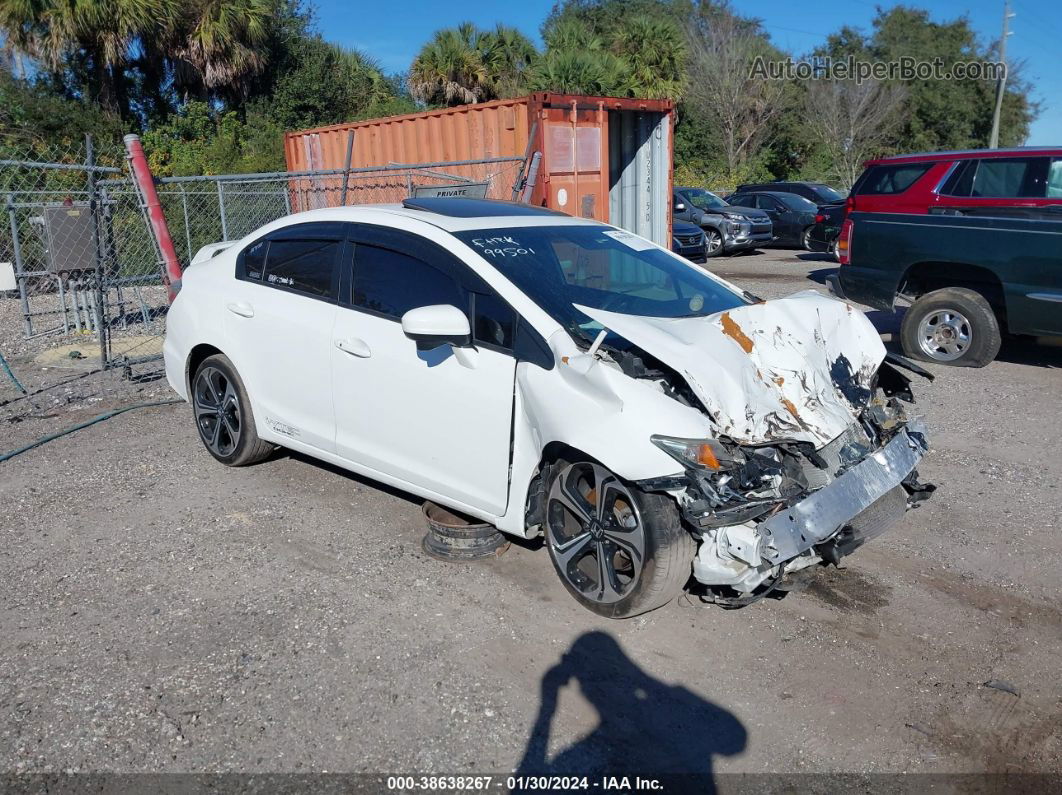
<point>449,69</point>
<point>938,114</point>
<point>463,65</point>
<point>632,48</point>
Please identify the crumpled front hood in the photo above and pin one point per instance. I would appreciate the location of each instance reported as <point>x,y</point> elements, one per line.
<point>794,368</point>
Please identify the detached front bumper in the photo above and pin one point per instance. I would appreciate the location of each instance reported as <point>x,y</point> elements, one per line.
<point>827,524</point>
<point>823,514</point>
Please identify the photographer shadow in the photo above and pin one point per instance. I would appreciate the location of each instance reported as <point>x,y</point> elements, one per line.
<point>645,726</point>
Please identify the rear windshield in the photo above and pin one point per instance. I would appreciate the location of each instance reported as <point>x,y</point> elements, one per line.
<point>559,267</point>
<point>889,179</point>
<point>827,195</point>
<point>798,203</point>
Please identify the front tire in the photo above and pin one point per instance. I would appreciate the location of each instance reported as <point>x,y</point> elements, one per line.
<point>619,551</point>
<point>713,242</point>
<point>954,326</point>
<point>223,414</point>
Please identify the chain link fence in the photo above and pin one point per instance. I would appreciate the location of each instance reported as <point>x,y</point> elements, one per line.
<point>86,267</point>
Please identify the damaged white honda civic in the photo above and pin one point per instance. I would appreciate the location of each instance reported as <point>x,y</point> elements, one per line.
<point>555,376</point>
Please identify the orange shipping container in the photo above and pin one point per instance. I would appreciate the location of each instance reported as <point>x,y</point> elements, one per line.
<point>601,157</point>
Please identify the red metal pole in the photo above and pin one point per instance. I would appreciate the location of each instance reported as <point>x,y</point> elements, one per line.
<point>171,275</point>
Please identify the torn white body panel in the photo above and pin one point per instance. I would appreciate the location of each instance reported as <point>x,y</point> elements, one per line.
<point>792,368</point>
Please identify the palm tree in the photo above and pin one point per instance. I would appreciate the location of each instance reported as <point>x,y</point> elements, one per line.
<point>214,47</point>
<point>210,44</point>
<point>449,69</point>
<point>102,31</point>
<point>655,49</point>
<point>508,55</point>
<point>597,73</point>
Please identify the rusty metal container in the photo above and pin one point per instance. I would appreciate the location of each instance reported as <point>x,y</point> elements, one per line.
<point>606,158</point>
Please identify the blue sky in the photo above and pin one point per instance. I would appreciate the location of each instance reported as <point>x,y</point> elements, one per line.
<point>393,33</point>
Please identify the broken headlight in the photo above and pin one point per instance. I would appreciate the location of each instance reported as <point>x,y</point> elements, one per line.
<point>706,454</point>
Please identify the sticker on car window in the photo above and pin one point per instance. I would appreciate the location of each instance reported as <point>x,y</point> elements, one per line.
<point>629,240</point>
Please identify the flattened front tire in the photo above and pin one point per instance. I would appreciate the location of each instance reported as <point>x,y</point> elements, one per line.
<point>619,551</point>
<point>954,326</point>
<point>223,414</point>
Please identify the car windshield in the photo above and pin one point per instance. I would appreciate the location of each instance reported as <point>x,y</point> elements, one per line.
<point>559,267</point>
<point>798,203</point>
<point>703,199</point>
<point>828,195</point>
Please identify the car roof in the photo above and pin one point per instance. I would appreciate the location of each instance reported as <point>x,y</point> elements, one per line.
<point>454,219</point>
<point>775,193</point>
<point>921,157</point>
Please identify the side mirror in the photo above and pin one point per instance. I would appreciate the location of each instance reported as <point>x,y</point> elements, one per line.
<point>680,207</point>
<point>439,324</point>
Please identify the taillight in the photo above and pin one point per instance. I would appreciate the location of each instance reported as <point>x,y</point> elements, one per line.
<point>820,218</point>
<point>844,242</point>
<point>849,205</point>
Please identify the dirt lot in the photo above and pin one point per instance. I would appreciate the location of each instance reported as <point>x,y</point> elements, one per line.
<point>163,613</point>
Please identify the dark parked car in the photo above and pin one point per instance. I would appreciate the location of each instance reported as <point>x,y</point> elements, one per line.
<point>794,217</point>
<point>971,278</point>
<point>727,229</point>
<point>817,192</point>
<point>688,240</point>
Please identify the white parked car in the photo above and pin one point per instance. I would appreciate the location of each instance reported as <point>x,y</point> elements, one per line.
<point>554,375</point>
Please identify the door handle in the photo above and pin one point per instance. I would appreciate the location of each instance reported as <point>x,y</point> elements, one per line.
<point>355,347</point>
<point>241,308</point>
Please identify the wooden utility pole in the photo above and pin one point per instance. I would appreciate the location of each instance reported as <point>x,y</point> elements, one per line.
<point>993,142</point>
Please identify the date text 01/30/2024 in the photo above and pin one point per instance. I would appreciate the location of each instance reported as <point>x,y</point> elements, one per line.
<point>522,783</point>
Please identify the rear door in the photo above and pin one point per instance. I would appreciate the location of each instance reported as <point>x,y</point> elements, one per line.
<point>439,420</point>
<point>279,318</point>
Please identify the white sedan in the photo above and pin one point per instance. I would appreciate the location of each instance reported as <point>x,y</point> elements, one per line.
<point>558,376</point>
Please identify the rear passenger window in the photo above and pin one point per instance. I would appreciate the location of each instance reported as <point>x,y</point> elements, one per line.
<point>254,258</point>
<point>303,265</point>
<point>884,180</point>
<point>494,321</point>
<point>1054,180</point>
<point>1010,178</point>
<point>392,283</point>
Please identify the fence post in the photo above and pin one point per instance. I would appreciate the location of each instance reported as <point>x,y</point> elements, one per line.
<point>23,294</point>
<point>346,168</point>
<point>100,288</point>
<point>153,209</point>
<point>187,228</point>
<point>221,210</point>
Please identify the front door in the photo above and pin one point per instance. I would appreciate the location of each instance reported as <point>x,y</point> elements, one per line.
<point>440,420</point>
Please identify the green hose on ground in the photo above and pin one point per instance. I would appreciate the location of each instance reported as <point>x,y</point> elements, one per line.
<point>11,375</point>
<point>98,418</point>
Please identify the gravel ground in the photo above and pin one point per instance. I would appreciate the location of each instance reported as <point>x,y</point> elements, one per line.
<point>163,613</point>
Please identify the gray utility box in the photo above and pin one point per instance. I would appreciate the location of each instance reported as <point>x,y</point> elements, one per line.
<point>69,236</point>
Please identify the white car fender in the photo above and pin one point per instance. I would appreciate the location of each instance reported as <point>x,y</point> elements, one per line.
<point>601,412</point>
